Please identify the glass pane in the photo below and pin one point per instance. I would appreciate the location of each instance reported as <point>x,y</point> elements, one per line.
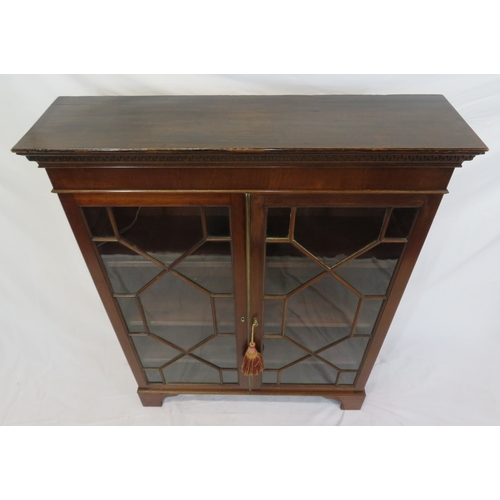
<point>400,222</point>
<point>220,351</point>
<point>278,353</point>
<point>217,221</point>
<point>230,376</point>
<point>348,354</point>
<point>130,311</point>
<point>190,370</point>
<point>174,306</point>
<point>152,352</point>
<point>210,266</point>
<point>367,316</point>
<point>371,272</point>
<point>163,232</point>
<point>184,336</point>
<point>269,377</point>
<point>316,337</point>
<point>273,315</point>
<point>98,221</point>
<point>321,313</point>
<point>331,234</point>
<point>127,271</point>
<point>310,371</point>
<point>178,311</point>
<point>287,268</point>
<point>225,312</point>
<point>154,376</point>
<point>278,222</point>
<point>347,378</point>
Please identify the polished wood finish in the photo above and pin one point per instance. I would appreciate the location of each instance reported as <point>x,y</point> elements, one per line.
<point>326,179</point>
<point>251,153</point>
<point>110,125</point>
<point>348,400</point>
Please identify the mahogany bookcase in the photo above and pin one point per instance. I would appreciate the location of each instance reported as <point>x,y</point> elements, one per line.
<point>197,215</point>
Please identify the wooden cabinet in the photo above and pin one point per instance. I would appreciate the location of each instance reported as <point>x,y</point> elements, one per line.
<point>197,215</point>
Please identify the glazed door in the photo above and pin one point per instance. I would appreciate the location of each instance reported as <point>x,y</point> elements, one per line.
<point>322,271</point>
<point>174,266</point>
<point>174,272</point>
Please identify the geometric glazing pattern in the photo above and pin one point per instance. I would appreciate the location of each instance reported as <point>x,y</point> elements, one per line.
<point>170,271</point>
<point>328,270</point>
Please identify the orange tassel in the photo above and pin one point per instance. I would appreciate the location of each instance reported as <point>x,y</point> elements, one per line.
<point>253,363</point>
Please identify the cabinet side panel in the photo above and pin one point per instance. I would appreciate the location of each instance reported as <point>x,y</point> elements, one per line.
<point>98,274</point>
<point>403,273</point>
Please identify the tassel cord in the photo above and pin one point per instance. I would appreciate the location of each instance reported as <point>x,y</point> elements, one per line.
<point>254,324</point>
<point>253,363</point>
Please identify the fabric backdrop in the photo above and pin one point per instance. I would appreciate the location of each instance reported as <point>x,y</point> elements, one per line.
<point>61,364</point>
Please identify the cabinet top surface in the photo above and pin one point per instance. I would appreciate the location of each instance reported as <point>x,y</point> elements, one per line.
<point>249,123</point>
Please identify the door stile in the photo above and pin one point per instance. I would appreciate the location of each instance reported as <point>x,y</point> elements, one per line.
<point>256,269</point>
<point>238,219</point>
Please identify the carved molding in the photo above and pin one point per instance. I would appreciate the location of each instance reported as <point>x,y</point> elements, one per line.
<point>254,158</point>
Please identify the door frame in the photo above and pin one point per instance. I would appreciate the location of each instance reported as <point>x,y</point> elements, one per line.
<point>427,205</point>
<point>73,203</point>
<point>255,216</point>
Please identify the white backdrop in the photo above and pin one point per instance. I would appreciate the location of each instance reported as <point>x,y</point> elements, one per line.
<point>61,364</point>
